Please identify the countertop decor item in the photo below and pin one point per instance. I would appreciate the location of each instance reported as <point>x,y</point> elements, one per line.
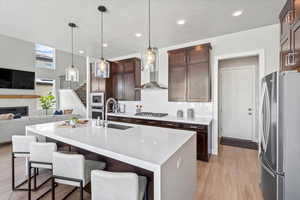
<point>180,114</point>
<point>102,67</point>
<point>72,72</point>
<point>190,113</point>
<point>47,102</point>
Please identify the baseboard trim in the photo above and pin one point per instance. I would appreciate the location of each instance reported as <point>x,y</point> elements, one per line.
<point>248,144</point>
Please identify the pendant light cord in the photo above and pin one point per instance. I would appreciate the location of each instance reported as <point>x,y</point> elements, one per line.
<point>102,35</point>
<point>72,45</point>
<point>149,23</point>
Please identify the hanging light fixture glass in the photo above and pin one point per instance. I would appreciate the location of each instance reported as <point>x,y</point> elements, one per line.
<point>101,65</point>
<point>150,55</point>
<point>72,72</point>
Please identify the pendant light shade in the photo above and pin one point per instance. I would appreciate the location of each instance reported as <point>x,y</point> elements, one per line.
<point>150,55</point>
<point>102,67</point>
<point>72,72</point>
<point>150,59</point>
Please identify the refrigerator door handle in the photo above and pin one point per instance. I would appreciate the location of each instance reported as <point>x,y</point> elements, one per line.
<point>265,124</point>
<point>267,169</point>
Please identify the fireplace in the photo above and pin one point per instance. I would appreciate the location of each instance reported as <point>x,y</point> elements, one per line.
<point>21,111</point>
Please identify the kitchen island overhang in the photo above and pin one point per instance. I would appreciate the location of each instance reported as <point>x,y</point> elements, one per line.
<point>170,154</point>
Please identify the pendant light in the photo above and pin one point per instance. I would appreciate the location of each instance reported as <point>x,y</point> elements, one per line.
<point>72,72</point>
<point>150,56</point>
<point>101,65</point>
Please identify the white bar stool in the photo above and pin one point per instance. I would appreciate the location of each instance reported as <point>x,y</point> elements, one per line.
<point>74,170</point>
<point>116,186</point>
<point>20,149</point>
<point>40,158</point>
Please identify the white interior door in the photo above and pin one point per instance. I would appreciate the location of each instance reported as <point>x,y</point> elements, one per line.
<point>237,107</point>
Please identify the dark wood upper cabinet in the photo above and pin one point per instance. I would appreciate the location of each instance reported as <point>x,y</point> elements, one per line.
<point>289,36</point>
<point>125,78</point>
<point>189,74</point>
<point>97,84</point>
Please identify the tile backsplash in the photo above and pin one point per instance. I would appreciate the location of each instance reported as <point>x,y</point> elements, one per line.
<point>156,100</point>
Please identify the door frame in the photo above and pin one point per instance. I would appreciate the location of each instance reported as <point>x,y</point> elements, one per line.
<point>254,100</point>
<point>261,66</point>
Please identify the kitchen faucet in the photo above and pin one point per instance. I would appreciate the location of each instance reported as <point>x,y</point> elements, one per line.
<point>106,109</point>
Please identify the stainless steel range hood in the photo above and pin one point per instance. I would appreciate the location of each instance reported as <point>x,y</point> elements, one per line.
<point>153,83</point>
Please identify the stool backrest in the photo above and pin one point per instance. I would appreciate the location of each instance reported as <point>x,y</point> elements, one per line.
<point>110,185</point>
<point>42,152</point>
<point>21,143</point>
<point>68,165</point>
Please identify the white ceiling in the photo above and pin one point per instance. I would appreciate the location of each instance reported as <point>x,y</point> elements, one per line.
<point>45,21</point>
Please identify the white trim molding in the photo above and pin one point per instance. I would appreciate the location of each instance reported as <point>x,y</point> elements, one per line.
<point>215,77</point>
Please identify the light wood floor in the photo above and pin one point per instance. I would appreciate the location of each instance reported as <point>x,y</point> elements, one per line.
<point>233,175</point>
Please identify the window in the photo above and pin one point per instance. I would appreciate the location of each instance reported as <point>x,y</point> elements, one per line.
<point>44,57</point>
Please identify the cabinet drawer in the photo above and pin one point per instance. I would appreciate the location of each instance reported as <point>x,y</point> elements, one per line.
<point>152,123</point>
<point>171,125</point>
<point>194,127</point>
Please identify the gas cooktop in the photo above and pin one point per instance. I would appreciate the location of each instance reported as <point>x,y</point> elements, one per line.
<point>151,114</point>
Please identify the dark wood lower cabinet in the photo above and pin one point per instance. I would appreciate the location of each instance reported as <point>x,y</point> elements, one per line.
<point>203,132</point>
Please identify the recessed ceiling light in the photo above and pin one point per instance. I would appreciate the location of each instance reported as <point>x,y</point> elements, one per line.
<point>237,13</point>
<point>138,35</point>
<point>181,22</point>
<point>81,51</point>
<point>105,45</point>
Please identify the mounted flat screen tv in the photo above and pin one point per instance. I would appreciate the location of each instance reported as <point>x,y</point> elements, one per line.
<point>15,79</point>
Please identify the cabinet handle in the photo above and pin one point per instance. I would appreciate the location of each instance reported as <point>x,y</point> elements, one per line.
<point>290,59</point>
<point>289,19</point>
<point>172,125</point>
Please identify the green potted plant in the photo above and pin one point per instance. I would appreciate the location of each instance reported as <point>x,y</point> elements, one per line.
<point>47,102</point>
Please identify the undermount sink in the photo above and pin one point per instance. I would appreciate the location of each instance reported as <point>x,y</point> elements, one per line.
<point>118,126</point>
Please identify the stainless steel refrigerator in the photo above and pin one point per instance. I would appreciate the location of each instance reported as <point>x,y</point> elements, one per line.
<point>280,136</point>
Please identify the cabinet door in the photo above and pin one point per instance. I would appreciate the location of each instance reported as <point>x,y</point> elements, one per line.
<point>285,50</point>
<point>137,80</point>
<point>296,45</point>
<point>202,152</point>
<point>296,7</point>
<point>198,54</point>
<point>286,18</point>
<point>177,83</point>
<point>198,75</point>
<point>97,84</point>
<point>177,75</point>
<point>118,86</point>
<point>129,86</point>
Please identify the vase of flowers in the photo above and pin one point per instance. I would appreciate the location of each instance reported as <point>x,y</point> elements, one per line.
<point>47,102</point>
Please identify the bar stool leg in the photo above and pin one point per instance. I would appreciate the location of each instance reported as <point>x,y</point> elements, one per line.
<point>53,188</point>
<point>13,171</point>
<point>34,178</point>
<point>29,180</point>
<point>81,190</point>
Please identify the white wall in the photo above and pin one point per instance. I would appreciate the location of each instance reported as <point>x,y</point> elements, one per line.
<point>69,100</point>
<point>20,55</point>
<point>265,39</point>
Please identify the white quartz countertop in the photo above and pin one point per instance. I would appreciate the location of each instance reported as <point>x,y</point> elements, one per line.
<point>144,146</point>
<point>196,120</point>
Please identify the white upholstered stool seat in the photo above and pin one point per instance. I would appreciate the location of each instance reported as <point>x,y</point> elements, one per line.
<point>116,186</point>
<point>74,170</point>
<point>40,158</point>
<point>20,149</point>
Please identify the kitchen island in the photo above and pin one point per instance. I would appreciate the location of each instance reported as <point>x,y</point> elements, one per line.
<point>201,125</point>
<point>169,154</point>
